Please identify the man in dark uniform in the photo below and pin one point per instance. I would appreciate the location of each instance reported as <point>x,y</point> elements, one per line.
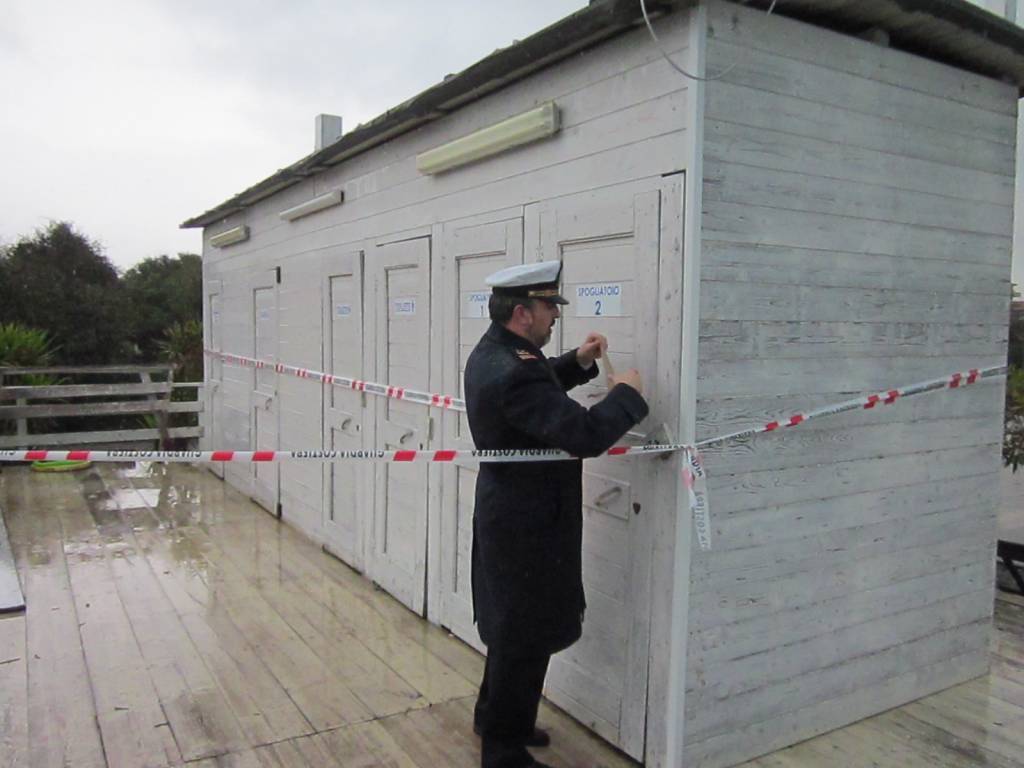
<point>528,524</point>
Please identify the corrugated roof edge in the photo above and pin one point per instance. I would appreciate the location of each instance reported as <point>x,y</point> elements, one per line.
<point>599,21</point>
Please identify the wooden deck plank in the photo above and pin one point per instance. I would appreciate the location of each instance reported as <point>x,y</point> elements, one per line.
<point>322,695</point>
<point>366,745</point>
<point>457,655</point>
<point>132,722</point>
<point>62,725</point>
<point>273,559</point>
<point>372,625</point>
<point>304,752</point>
<point>304,651</point>
<point>249,758</point>
<point>264,710</point>
<point>1007,690</point>
<point>369,679</point>
<point>978,725</point>
<point>200,718</point>
<point>447,724</point>
<point>922,741</point>
<point>228,610</point>
<point>314,565</point>
<point>261,704</point>
<point>255,699</point>
<point>393,633</point>
<point>13,692</point>
<point>424,741</point>
<point>571,743</point>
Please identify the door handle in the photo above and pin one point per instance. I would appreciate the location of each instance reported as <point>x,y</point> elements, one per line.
<point>406,435</point>
<point>606,496</point>
<point>346,422</point>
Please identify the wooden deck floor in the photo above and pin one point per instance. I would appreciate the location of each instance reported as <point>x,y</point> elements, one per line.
<point>171,622</point>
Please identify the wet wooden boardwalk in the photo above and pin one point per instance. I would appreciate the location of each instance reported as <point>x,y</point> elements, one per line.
<point>170,622</point>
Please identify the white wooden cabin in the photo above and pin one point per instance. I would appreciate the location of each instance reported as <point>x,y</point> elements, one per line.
<point>832,214</point>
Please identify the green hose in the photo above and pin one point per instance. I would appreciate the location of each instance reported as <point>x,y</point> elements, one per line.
<point>59,466</point>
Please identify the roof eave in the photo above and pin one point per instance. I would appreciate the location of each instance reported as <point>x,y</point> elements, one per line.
<point>998,52</point>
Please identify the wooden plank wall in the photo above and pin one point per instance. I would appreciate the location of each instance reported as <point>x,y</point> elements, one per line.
<point>236,317</point>
<point>622,120</point>
<point>299,311</point>
<point>856,235</point>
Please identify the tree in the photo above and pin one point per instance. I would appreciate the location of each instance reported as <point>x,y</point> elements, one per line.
<point>1016,341</point>
<point>182,347</point>
<point>22,347</point>
<point>1013,436</point>
<point>59,281</point>
<point>1013,432</point>
<point>162,292</point>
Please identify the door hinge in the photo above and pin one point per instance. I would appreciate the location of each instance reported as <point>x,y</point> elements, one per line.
<point>277,274</point>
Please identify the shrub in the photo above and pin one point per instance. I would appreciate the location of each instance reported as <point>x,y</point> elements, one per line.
<point>22,347</point>
<point>1013,434</point>
<point>182,347</point>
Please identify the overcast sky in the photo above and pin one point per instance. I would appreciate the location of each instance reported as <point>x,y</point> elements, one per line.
<point>128,116</point>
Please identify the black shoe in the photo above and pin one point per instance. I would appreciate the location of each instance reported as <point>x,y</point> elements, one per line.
<point>539,738</point>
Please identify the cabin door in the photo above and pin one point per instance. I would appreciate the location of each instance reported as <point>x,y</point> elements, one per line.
<point>266,476</point>
<point>471,250</point>
<point>609,243</point>
<point>214,433</point>
<point>346,484</point>
<point>397,557</point>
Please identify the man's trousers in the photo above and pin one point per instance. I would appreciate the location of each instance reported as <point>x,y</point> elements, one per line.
<point>506,710</point>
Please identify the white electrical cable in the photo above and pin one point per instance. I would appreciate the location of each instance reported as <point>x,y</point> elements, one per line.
<point>676,67</point>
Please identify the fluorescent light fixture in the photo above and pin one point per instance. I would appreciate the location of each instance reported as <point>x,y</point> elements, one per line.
<point>318,203</point>
<point>530,126</point>
<point>230,237</point>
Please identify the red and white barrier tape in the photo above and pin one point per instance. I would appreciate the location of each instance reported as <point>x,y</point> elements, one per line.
<point>888,397</point>
<point>695,480</point>
<point>403,456</point>
<point>429,399</point>
<point>694,475</point>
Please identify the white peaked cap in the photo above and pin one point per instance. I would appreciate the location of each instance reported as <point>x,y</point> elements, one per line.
<point>529,281</point>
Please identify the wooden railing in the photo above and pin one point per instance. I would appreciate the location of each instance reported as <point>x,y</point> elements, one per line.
<point>112,393</point>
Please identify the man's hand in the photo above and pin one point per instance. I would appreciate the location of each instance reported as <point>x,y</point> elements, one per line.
<point>630,378</point>
<point>591,349</point>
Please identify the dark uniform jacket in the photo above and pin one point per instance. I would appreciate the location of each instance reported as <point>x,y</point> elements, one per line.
<point>528,521</point>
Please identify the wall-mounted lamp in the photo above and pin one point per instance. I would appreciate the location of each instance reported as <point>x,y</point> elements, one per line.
<point>230,237</point>
<point>530,126</point>
<point>318,203</point>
